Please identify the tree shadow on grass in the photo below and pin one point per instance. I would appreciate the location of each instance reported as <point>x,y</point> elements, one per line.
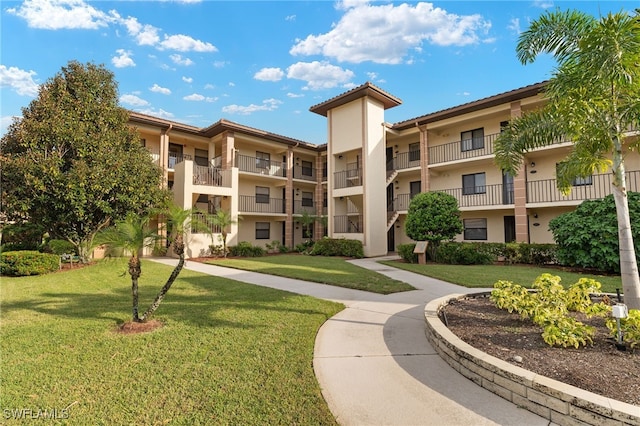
<point>197,300</point>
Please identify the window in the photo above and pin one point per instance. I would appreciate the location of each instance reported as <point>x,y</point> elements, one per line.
<point>202,157</point>
<point>414,151</point>
<point>202,198</point>
<point>475,229</point>
<point>474,184</point>
<point>307,199</point>
<point>582,181</point>
<point>143,142</point>
<point>263,231</point>
<point>262,160</point>
<point>307,168</point>
<point>307,232</point>
<point>262,194</point>
<point>472,139</point>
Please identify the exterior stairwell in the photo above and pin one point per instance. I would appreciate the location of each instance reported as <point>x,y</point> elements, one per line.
<point>391,175</point>
<point>391,218</point>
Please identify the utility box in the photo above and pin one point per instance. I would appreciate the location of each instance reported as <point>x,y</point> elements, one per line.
<point>619,311</point>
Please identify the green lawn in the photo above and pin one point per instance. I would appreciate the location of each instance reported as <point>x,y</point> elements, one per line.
<point>320,269</point>
<point>486,275</point>
<point>229,353</point>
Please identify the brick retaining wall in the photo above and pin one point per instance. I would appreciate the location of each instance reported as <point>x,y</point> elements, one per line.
<point>556,401</point>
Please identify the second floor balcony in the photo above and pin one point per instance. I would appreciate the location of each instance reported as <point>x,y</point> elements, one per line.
<point>176,159</point>
<point>260,204</point>
<point>348,224</point>
<point>261,166</point>
<point>211,176</point>
<point>404,160</point>
<point>347,178</point>
<point>304,206</point>
<point>482,196</point>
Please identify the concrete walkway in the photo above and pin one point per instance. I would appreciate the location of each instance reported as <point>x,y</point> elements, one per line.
<point>374,363</point>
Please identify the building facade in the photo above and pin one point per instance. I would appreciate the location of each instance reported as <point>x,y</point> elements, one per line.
<point>363,179</point>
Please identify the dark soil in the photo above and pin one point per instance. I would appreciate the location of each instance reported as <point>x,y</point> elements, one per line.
<point>131,327</point>
<point>599,368</point>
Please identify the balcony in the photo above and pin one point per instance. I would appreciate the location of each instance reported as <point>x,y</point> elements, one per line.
<point>176,159</point>
<point>347,178</point>
<point>261,166</point>
<point>404,160</point>
<point>304,173</point>
<point>400,203</point>
<point>211,176</point>
<point>206,221</point>
<point>593,188</point>
<point>480,196</point>
<point>461,150</point>
<point>259,204</point>
<point>347,224</point>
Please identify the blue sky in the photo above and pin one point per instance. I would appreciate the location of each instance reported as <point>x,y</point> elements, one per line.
<point>264,63</point>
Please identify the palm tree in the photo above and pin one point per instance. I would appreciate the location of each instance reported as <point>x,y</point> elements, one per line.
<point>307,220</point>
<point>223,220</point>
<point>131,235</point>
<point>179,220</point>
<point>593,99</point>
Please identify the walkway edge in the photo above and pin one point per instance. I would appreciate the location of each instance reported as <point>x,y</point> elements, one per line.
<point>556,401</point>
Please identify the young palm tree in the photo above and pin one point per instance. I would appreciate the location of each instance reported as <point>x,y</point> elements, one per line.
<point>307,220</point>
<point>593,99</point>
<point>223,220</point>
<point>131,235</point>
<point>179,220</point>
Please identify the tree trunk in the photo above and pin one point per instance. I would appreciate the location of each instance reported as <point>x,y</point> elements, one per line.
<point>164,290</point>
<point>134,271</point>
<point>628,263</point>
<point>179,249</point>
<point>224,243</point>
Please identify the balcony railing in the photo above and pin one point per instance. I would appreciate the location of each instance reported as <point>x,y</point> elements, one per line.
<point>261,166</point>
<point>598,186</point>
<point>303,206</point>
<point>177,159</point>
<point>206,221</point>
<point>485,195</point>
<point>304,173</point>
<point>461,150</point>
<point>404,160</point>
<point>253,204</point>
<point>348,224</point>
<point>211,176</point>
<point>347,178</point>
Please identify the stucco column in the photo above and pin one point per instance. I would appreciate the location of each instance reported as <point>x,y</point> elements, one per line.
<point>288,201</point>
<point>164,154</point>
<point>318,229</point>
<point>228,150</point>
<point>520,191</point>
<point>424,159</point>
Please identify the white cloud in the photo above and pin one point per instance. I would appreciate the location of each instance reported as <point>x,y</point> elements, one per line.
<point>294,95</point>
<point>269,74</point>
<point>184,43</point>
<point>124,60</point>
<point>514,25</point>
<point>319,75</point>
<point>20,81</point>
<point>5,122</point>
<point>156,113</point>
<point>158,89</point>
<point>232,84</point>
<point>219,64</point>
<point>61,14</point>
<point>133,100</point>
<point>145,35</point>
<point>187,79</point>
<point>386,33</point>
<point>544,4</point>
<point>209,86</point>
<point>267,105</point>
<point>199,98</point>
<point>178,59</point>
<point>290,18</point>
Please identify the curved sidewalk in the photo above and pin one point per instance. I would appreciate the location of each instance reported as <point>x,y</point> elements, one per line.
<point>373,362</point>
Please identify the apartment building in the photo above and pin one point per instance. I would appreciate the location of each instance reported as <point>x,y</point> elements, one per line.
<point>363,179</point>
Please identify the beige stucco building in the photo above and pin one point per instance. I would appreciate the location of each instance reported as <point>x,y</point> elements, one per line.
<point>363,179</point>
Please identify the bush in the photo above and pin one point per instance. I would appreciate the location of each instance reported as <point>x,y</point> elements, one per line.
<point>22,236</point>
<point>305,247</point>
<point>405,251</point>
<point>59,247</point>
<point>463,254</point>
<point>28,262</point>
<point>338,247</point>
<point>588,236</point>
<point>246,249</point>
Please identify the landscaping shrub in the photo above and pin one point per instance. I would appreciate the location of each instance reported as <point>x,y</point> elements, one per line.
<point>588,236</point>
<point>405,251</point>
<point>305,247</point>
<point>464,254</point>
<point>338,247</point>
<point>246,249</point>
<point>59,247</point>
<point>28,262</point>
<point>21,236</point>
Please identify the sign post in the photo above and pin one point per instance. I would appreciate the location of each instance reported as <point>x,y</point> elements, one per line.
<point>421,251</point>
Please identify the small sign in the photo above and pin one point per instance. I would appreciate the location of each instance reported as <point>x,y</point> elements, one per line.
<point>421,247</point>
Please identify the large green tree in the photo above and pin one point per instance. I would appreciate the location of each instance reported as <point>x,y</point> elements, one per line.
<point>433,217</point>
<point>72,164</point>
<point>593,100</point>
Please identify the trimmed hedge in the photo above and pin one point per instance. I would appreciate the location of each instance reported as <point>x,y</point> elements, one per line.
<point>338,247</point>
<point>28,262</point>
<point>246,249</point>
<point>464,254</point>
<point>405,251</point>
